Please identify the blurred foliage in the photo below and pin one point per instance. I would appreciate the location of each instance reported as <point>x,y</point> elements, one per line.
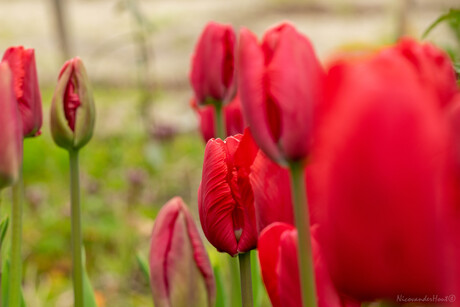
<point>126,176</point>
<point>452,19</point>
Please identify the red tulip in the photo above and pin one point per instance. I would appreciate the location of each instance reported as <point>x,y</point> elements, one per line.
<point>225,198</point>
<point>72,108</point>
<point>433,66</point>
<point>272,192</point>
<point>233,118</point>
<point>280,272</point>
<point>213,68</point>
<point>22,64</point>
<point>11,130</point>
<point>181,274</point>
<point>384,155</point>
<point>280,83</point>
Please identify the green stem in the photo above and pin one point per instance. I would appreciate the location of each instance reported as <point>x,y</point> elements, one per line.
<point>246,280</point>
<point>235,287</point>
<point>220,121</point>
<point>16,242</point>
<point>302,221</point>
<point>76,230</point>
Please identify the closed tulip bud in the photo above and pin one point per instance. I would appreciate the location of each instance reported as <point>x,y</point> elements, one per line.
<point>26,89</point>
<point>280,269</point>
<point>181,274</point>
<point>280,86</point>
<point>385,153</point>
<point>213,65</point>
<point>72,108</point>
<point>11,130</point>
<point>225,198</point>
<point>234,123</point>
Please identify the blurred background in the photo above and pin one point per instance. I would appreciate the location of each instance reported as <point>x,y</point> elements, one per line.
<point>147,147</point>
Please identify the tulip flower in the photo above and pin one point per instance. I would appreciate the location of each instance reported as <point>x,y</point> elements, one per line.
<point>22,64</point>
<point>384,150</point>
<point>225,198</point>
<point>213,69</point>
<point>280,273</point>
<point>434,67</point>
<point>281,85</point>
<point>181,274</point>
<point>272,192</point>
<point>11,135</point>
<point>72,109</point>
<point>234,123</point>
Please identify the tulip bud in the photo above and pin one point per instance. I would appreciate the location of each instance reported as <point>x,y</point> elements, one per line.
<point>213,65</point>
<point>72,109</point>
<point>225,198</point>
<point>181,274</point>
<point>26,89</point>
<point>280,269</point>
<point>384,149</point>
<point>280,86</point>
<point>11,130</point>
<point>234,123</point>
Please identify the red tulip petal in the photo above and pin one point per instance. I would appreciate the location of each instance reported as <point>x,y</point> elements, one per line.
<point>11,136</point>
<point>272,192</point>
<point>295,84</point>
<point>215,197</point>
<point>433,66</point>
<point>288,270</point>
<point>386,182</point>
<point>269,251</point>
<point>22,64</point>
<point>216,46</point>
<point>252,92</point>
<point>234,121</point>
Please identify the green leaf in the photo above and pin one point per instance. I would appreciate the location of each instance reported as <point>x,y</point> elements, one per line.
<point>3,229</point>
<point>144,266</point>
<point>453,16</point>
<point>89,299</point>
<point>5,282</point>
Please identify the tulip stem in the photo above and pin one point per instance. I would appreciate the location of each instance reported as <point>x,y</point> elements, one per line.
<point>302,221</point>
<point>16,242</point>
<point>246,280</point>
<point>220,121</point>
<point>76,229</point>
<point>235,286</point>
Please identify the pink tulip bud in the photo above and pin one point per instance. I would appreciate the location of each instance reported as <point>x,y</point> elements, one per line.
<point>234,122</point>
<point>280,86</point>
<point>213,65</point>
<point>181,274</point>
<point>11,132</point>
<point>72,109</point>
<point>225,197</point>
<point>22,64</point>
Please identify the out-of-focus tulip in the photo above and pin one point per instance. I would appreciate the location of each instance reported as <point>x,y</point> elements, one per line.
<point>384,155</point>
<point>272,192</point>
<point>280,272</point>
<point>433,66</point>
<point>72,109</point>
<point>225,198</point>
<point>11,130</point>
<point>213,65</point>
<point>281,85</point>
<point>22,64</point>
<point>234,123</point>
<point>181,274</point>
